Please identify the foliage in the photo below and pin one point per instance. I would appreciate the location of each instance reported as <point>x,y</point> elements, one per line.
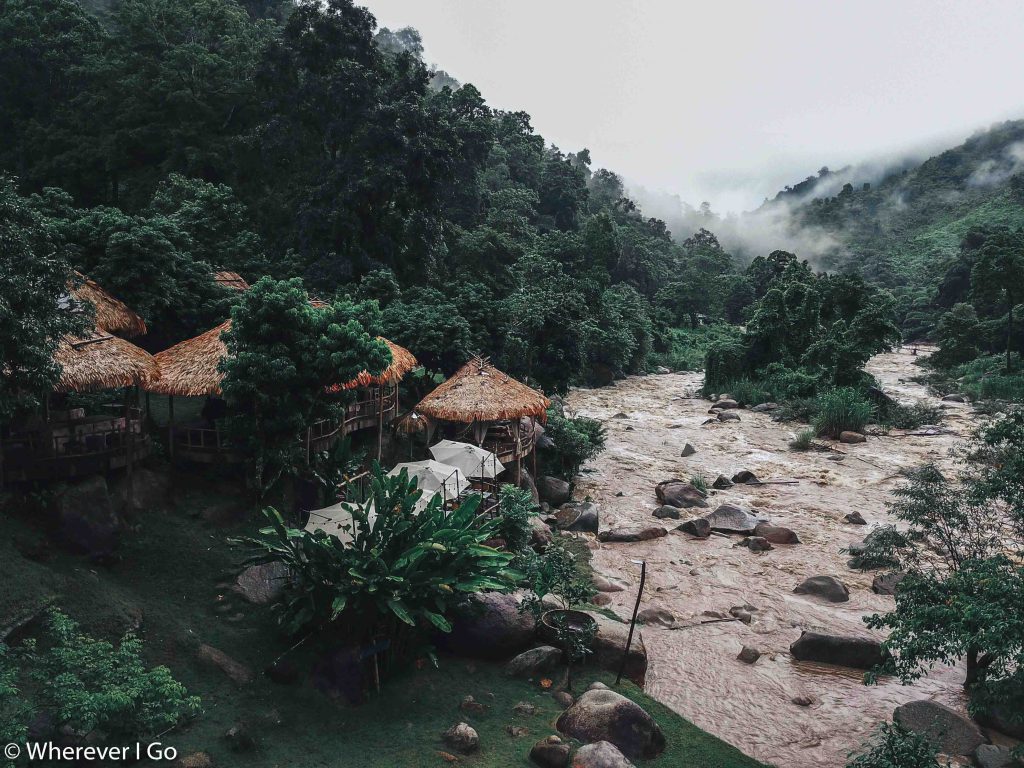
<point>400,573</point>
<point>515,513</point>
<point>882,548</point>
<point>576,440</point>
<point>34,310</point>
<point>892,414</point>
<point>15,712</point>
<point>803,441</point>
<point>284,356</point>
<point>840,410</point>
<point>894,746</point>
<point>700,482</point>
<point>554,573</point>
<point>90,685</point>
<point>999,273</point>
<point>957,336</point>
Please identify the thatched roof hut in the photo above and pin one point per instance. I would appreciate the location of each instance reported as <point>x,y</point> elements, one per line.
<point>102,361</point>
<point>112,315</point>
<point>231,280</point>
<point>190,367</point>
<point>402,361</point>
<point>480,392</point>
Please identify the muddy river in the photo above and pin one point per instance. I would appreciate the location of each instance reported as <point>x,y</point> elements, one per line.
<point>693,666</point>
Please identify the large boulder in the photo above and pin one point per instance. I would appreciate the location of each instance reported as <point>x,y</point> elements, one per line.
<point>841,650</point>
<point>827,587</point>
<point>953,733</point>
<point>534,662</point>
<point>86,520</point>
<point>262,584</point>
<point>600,754</point>
<point>604,715</point>
<point>776,534</point>
<point>553,490</point>
<point>489,625</point>
<point>582,518</point>
<point>627,535</point>
<point>679,493</point>
<point>527,484</point>
<point>886,583</point>
<point>610,644</point>
<point>729,518</point>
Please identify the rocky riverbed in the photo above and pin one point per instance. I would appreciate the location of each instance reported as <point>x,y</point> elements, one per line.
<point>778,710</point>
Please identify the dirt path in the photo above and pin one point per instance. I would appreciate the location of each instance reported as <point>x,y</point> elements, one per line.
<point>694,669</point>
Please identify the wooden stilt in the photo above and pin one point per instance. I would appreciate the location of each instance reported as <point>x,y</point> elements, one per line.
<point>170,427</point>
<point>129,446</point>
<point>380,421</point>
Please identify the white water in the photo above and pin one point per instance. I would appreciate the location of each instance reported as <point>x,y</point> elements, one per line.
<point>694,669</point>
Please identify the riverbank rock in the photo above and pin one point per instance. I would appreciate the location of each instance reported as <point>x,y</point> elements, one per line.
<point>551,752</point>
<point>827,587</point>
<point>955,397</point>
<point>540,534</point>
<point>847,436</point>
<point>776,534</point>
<point>526,482</point>
<point>843,651</point>
<point>722,483</point>
<point>886,583</point>
<point>744,476</point>
<point>603,715</point>
<point>726,404</point>
<point>953,733</point>
<point>262,584</point>
<point>462,738</point>
<point>553,490</point>
<point>765,407</point>
<point>729,518</point>
<point>699,528</point>
<point>582,518</point>
<point>679,493</point>
<point>748,654</point>
<point>86,520</point>
<point>855,518</point>
<point>991,756</point>
<point>534,662</point>
<point>489,625</point>
<point>610,644</point>
<point>666,512</point>
<point>757,544</point>
<point>628,535</point>
<point>600,754</point>
<point>728,416</point>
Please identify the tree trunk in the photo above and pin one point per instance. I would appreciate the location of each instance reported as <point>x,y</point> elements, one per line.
<point>976,668</point>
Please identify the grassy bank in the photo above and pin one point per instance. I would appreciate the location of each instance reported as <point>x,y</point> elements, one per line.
<point>175,574</point>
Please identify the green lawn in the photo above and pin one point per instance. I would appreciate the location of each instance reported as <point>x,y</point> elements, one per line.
<point>175,571</point>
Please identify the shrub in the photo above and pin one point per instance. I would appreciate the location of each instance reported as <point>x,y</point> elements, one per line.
<point>746,392</point>
<point>15,712</point>
<point>723,363</point>
<point>803,441</point>
<point>576,441</point>
<point>699,482</point>
<point>401,571</point>
<point>840,410</point>
<point>893,746</point>
<point>909,416</point>
<point>89,684</point>
<point>514,519</point>
<point>554,573</point>
<point>882,548</point>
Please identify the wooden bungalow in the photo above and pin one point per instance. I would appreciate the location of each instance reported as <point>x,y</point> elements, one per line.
<point>487,407</point>
<point>191,369</point>
<point>68,443</point>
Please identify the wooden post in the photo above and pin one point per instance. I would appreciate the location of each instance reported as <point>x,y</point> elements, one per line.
<point>309,437</point>
<point>170,428</point>
<point>380,421</point>
<point>533,451</point>
<point>129,444</point>
<point>632,623</point>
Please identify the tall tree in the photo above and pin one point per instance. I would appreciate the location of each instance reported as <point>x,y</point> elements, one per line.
<point>999,271</point>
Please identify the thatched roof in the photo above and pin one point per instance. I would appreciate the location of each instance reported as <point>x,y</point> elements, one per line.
<point>402,361</point>
<point>480,392</point>
<point>231,280</point>
<point>102,361</point>
<point>112,315</point>
<point>189,368</point>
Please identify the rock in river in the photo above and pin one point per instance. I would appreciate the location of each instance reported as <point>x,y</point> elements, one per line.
<point>776,534</point>
<point>828,587</point>
<point>841,650</point>
<point>729,518</point>
<point>698,527</point>
<point>627,535</point>
<point>953,733</point>
<point>679,493</point>
<point>604,715</point>
<point>851,437</point>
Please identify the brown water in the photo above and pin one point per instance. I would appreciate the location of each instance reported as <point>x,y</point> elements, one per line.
<point>693,667</point>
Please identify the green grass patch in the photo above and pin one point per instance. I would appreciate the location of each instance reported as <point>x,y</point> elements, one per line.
<point>175,573</point>
<point>840,410</point>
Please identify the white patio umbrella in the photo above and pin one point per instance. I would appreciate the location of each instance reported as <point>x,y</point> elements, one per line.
<point>434,478</point>
<point>469,459</point>
<point>332,519</point>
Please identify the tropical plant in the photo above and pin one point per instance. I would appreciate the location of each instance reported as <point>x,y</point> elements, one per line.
<point>516,511</point>
<point>90,685</point>
<point>400,573</point>
<point>15,712</point>
<point>554,573</point>
<point>575,442</point>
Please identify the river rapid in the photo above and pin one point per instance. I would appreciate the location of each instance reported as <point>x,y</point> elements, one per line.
<point>693,665</point>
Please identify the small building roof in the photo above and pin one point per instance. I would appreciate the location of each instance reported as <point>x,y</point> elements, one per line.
<point>480,392</point>
<point>402,361</point>
<point>112,314</point>
<point>100,360</point>
<point>191,367</point>
<point>231,280</point>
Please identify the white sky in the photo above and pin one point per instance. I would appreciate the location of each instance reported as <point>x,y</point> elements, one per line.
<point>729,101</point>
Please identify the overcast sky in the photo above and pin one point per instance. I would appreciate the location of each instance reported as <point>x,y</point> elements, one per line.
<point>728,101</point>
